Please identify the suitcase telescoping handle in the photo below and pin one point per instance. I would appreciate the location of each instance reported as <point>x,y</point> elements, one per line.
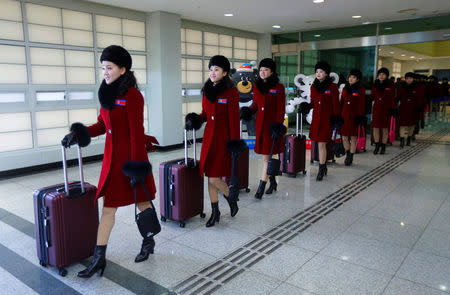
<point>297,122</point>
<point>186,147</point>
<point>80,165</point>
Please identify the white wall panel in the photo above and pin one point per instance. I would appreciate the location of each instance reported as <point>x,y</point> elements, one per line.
<point>240,53</point>
<point>139,61</point>
<point>13,141</point>
<point>51,119</point>
<point>239,43</point>
<point>49,137</point>
<point>46,56</point>
<point>194,64</point>
<point>77,20</point>
<point>134,43</point>
<point>78,38</point>
<point>194,77</point>
<point>12,54</point>
<point>193,36</point>
<point>104,40</point>
<point>10,10</point>
<point>13,74</point>
<point>211,50</point>
<point>252,54</point>
<point>107,24</point>
<point>133,28</point>
<point>79,58</point>
<point>85,116</point>
<point>211,38</point>
<point>48,75</point>
<point>15,122</point>
<point>80,75</point>
<point>252,44</point>
<point>11,30</point>
<point>45,34</point>
<point>44,15</point>
<point>226,51</point>
<point>193,49</point>
<point>225,40</point>
<point>141,76</point>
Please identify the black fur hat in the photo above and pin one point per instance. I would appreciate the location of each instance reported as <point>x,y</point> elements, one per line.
<point>278,130</point>
<point>383,70</point>
<point>357,73</point>
<point>118,55</point>
<point>82,134</point>
<point>220,61</point>
<point>137,170</point>
<point>410,75</point>
<point>236,146</point>
<point>323,65</point>
<point>193,121</point>
<point>268,63</point>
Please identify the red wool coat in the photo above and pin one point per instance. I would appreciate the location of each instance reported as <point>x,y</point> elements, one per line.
<point>352,105</point>
<point>125,141</point>
<point>383,102</point>
<point>269,108</point>
<point>409,102</point>
<point>222,124</point>
<point>325,105</point>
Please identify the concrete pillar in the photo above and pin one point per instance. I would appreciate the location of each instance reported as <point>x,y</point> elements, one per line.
<point>265,46</point>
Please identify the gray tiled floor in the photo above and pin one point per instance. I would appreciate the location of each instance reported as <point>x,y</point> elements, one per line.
<point>391,238</point>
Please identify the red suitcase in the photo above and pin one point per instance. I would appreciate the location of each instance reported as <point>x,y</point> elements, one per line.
<point>181,188</point>
<point>65,223</point>
<point>315,152</point>
<point>294,157</point>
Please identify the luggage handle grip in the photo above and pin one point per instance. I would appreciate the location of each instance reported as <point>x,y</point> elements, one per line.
<point>80,164</point>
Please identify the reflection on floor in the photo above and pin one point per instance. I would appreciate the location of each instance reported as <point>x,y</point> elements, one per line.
<point>392,237</point>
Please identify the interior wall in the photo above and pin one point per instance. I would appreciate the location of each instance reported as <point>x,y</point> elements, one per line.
<point>410,66</point>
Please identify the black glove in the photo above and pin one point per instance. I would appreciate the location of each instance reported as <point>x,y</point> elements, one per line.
<point>245,113</point>
<point>360,120</point>
<point>68,140</point>
<point>393,112</point>
<point>304,108</point>
<point>193,121</point>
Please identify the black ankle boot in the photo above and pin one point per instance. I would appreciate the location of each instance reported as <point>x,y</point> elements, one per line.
<point>215,215</point>
<point>383,149</point>
<point>408,141</point>
<point>260,191</point>
<point>348,159</point>
<point>233,207</point>
<point>377,148</point>
<point>147,248</point>
<point>98,263</point>
<point>322,171</point>
<point>273,185</point>
<point>402,142</point>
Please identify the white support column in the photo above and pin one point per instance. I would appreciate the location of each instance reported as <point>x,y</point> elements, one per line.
<point>264,46</point>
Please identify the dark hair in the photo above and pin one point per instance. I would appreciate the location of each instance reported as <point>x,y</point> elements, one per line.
<point>128,81</point>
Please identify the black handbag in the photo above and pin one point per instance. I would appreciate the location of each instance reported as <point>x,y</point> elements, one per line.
<point>338,147</point>
<point>147,220</point>
<point>273,167</point>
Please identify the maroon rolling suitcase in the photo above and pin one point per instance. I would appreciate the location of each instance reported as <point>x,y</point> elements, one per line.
<point>294,157</point>
<point>66,221</point>
<point>181,188</point>
<point>315,152</point>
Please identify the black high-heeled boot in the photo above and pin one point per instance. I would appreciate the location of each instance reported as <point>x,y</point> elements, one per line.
<point>383,149</point>
<point>348,159</point>
<point>402,142</point>
<point>98,263</point>
<point>233,206</point>
<point>377,148</point>
<point>147,248</point>
<point>408,141</point>
<point>260,191</point>
<point>322,172</point>
<point>273,185</point>
<point>215,215</point>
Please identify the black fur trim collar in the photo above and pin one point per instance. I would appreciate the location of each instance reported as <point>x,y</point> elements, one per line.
<point>410,87</point>
<point>381,85</point>
<point>322,86</point>
<point>352,88</point>
<point>212,91</point>
<point>107,94</point>
<point>270,83</point>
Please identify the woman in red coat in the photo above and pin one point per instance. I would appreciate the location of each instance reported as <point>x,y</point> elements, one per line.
<point>220,111</point>
<point>383,96</point>
<point>326,110</point>
<point>121,118</point>
<point>353,103</point>
<point>269,102</point>
<point>409,96</point>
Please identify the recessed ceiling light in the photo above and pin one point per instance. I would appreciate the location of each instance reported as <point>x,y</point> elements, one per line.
<point>388,28</point>
<point>317,35</point>
<point>276,26</point>
<point>356,16</point>
<point>392,52</point>
<point>229,14</point>
<point>403,55</point>
<point>318,1</point>
<point>412,56</point>
<point>366,23</point>
<point>313,21</point>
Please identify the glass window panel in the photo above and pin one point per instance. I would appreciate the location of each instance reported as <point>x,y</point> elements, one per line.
<point>211,38</point>
<point>134,43</point>
<point>415,25</point>
<point>193,36</point>
<point>183,109</point>
<point>15,122</point>
<point>104,40</point>
<point>78,38</point>
<point>11,30</point>
<point>80,75</point>
<point>205,76</point>
<point>240,53</point>
<point>77,20</point>
<point>194,92</point>
<point>139,61</point>
<point>46,56</point>
<point>12,97</point>
<point>183,64</point>
<point>285,38</point>
<point>239,43</point>
<point>141,76</point>
<point>100,75</point>
<point>205,65</point>
<point>133,28</point>
<point>252,54</point>
<point>13,141</point>
<point>79,58</point>
<point>339,33</point>
<point>211,50</point>
<point>48,75</point>
<point>44,15</point>
<point>226,51</point>
<point>183,48</point>
<point>183,35</point>
<point>194,64</point>
<point>107,24</point>
<point>194,106</point>
<point>225,40</point>
<point>193,49</point>
<point>49,137</point>
<point>252,44</point>
<point>12,54</point>
<point>146,126</point>
<point>145,111</point>
<point>13,74</point>
<point>85,116</point>
<point>45,34</point>
<point>194,77</point>
<point>10,10</point>
<point>81,95</point>
<point>50,96</point>
<point>183,77</point>
<point>51,119</point>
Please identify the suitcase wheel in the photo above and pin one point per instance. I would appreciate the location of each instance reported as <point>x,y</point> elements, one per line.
<point>247,190</point>
<point>202,215</point>
<point>42,263</point>
<point>182,224</point>
<point>62,271</point>
<point>163,219</point>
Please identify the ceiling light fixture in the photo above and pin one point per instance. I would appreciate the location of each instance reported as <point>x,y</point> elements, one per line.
<point>403,54</point>
<point>229,14</point>
<point>276,26</point>
<point>317,35</point>
<point>318,1</point>
<point>388,28</point>
<point>366,23</point>
<point>392,52</point>
<point>356,16</point>
<point>412,56</point>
